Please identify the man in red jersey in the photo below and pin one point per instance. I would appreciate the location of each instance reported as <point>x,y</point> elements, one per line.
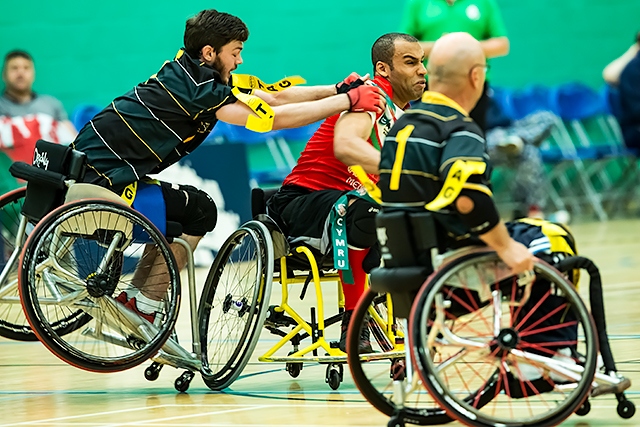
<point>322,179</point>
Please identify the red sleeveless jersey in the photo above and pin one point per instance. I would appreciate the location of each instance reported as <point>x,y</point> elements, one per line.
<point>318,168</point>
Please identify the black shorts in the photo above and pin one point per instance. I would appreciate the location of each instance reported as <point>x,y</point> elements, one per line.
<point>194,209</point>
<point>303,215</point>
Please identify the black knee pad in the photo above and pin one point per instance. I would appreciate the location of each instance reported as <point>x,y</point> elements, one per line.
<point>201,214</point>
<point>361,224</point>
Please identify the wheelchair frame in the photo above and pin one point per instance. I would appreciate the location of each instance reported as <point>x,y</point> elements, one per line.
<point>398,407</point>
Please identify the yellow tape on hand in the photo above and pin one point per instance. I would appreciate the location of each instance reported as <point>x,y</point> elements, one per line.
<point>265,115</point>
<point>460,171</point>
<point>247,81</point>
<point>372,189</point>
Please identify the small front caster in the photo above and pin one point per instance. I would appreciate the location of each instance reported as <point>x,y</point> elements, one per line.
<point>584,408</point>
<point>397,371</point>
<point>153,372</point>
<point>294,369</point>
<point>334,375</point>
<point>183,381</point>
<point>395,421</point>
<point>626,409</point>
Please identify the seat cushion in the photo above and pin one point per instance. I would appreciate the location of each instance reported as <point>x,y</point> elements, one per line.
<point>399,279</point>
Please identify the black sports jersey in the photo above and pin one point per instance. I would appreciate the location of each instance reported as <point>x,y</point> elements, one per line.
<point>153,125</point>
<point>419,151</point>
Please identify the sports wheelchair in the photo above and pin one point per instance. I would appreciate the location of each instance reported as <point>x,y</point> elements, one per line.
<point>289,266</point>
<point>486,347</point>
<point>78,247</point>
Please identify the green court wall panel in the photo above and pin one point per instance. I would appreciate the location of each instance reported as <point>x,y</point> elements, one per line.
<point>95,51</point>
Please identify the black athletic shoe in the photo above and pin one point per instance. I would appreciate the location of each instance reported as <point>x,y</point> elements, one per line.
<point>365,339</point>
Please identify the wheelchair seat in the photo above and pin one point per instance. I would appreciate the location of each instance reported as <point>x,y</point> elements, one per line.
<point>295,260</point>
<point>408,240</point>
<point>81,191</point>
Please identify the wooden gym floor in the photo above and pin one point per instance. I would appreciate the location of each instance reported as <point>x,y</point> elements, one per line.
<point>38,389</point>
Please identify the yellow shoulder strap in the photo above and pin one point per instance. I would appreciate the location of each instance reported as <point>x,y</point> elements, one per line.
<point>460,171</point>
<point>370,186</point>
<point>247,81</point>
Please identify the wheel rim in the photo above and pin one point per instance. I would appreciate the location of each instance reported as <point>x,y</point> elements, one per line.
<point>13,324</point>
<point>374,378</point>
<point>109,341</point>
<point>232,317</point>
<point>553,323</point>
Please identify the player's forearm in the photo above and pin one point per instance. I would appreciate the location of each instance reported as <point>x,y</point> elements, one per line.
<point>357,151</point>
<point>497,238</point>
<point>304,93</point>
<point>304,113</point>
<point>495,46</point>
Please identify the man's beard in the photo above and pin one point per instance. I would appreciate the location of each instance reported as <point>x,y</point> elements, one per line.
<point>219,67</point>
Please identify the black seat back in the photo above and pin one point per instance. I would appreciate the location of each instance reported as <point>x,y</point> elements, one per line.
<point>259,199</point>
<point>52,165</point>
<point>406,238</point>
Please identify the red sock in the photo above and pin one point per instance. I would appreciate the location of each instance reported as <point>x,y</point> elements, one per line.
<point>353,292</point>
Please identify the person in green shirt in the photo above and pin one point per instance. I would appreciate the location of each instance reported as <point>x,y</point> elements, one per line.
<point>428,20</point>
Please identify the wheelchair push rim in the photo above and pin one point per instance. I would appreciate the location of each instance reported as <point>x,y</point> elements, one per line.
<point>474,323</point>
<point>375,379</point>
<point>82,274</point>
<point>13,323</point>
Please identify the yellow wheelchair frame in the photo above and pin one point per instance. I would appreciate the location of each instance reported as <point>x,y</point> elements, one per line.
<point>284,315</point>
<point>334,357</point>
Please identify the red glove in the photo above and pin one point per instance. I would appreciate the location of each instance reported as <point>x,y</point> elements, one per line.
<point>352,81</point>
<point>366,98</point>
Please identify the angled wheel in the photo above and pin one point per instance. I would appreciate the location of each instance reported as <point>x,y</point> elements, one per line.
<point>474,323</point>
<point>234,303</point>
<point>375,378</point>
<point>13,323</point>
<point>80,257</point>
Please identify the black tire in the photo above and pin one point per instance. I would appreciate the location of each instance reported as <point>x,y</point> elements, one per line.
<point>527,396</point>
<point>13,323</point>
<point>228,335</point>
<point>373,378</point>
<point>111,340</point>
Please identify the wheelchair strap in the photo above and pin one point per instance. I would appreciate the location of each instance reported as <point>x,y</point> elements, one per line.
<point>339,233</point>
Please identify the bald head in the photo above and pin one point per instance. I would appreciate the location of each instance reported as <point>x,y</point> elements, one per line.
<point>457,67</point>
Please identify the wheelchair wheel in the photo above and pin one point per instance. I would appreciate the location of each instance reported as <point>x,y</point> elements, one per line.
<point>234,303</point>
<point>13,323</point>
<point>474,323</point>
<point>375,378</point>
<point>82,256</point>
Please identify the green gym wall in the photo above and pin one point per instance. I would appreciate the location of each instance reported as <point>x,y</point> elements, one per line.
<point>91,52</point>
